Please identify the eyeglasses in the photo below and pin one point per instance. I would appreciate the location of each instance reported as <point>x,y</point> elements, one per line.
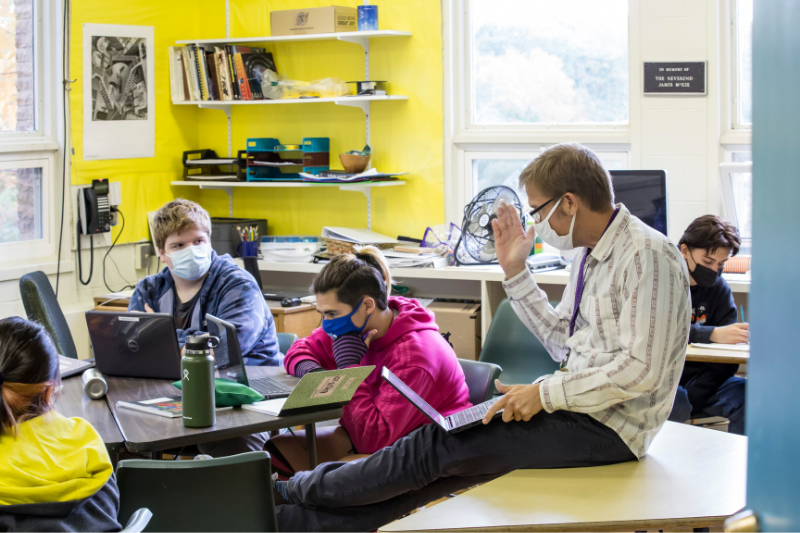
<point>534,212</point>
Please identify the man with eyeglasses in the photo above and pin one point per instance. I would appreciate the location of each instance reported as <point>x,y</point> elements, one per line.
<point>620,333</point>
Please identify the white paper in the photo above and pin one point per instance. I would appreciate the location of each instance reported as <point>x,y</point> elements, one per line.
<point>270,407</point>
<point>356,235</point>
<point>118,92</point>
<point>717,346</point>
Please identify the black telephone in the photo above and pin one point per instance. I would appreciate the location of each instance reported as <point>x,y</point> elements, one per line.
<point>94,211</point>
<point>94,216</point>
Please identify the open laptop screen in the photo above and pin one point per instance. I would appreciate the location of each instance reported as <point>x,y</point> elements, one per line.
<point>412,396</point>
<point>227,357</point>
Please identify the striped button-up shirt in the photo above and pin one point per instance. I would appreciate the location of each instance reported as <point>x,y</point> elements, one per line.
<point>625,358</point>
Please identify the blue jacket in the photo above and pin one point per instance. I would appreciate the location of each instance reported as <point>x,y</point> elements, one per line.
<point>229,293</point>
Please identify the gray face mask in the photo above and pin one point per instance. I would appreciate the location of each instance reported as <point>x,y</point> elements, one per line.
<point>549,235</point>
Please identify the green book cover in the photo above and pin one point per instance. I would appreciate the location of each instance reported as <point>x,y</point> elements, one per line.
<point>330,387</point>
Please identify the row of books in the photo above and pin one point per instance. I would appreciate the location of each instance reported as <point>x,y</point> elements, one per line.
<point>201,72</point>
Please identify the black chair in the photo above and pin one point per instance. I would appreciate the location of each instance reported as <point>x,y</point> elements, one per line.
<point>42,306</point>
<point>225,494</point>
<point>480,379</point>
<point>138,521</point>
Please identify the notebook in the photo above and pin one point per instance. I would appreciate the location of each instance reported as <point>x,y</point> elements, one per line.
<point>69,367</point>
<point>316,391</point>
<point>717,346</point>
<point>166,406</point>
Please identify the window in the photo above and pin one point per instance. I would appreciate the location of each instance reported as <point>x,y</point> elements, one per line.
<point>17,67</point>
<point>548,62</point>
<point>20,204</point>
<point>742,64</point>
<point>737,190</point>
<point>488,169</point>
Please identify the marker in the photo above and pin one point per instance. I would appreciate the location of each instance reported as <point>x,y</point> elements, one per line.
<point>741,307</point>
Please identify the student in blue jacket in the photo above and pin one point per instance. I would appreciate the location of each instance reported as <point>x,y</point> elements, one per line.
<point>197,281</point>
<point>711,389</point>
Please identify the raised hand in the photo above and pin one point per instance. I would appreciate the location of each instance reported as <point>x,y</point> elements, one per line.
<point>511,243</point>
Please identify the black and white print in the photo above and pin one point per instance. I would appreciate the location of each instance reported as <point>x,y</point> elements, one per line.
<point>119,78</point>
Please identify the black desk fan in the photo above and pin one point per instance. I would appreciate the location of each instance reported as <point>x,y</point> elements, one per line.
<point>476,245</point>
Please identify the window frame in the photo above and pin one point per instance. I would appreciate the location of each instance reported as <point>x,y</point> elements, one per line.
<point>44,145</point>
<point>728,200</point>
<point>732,131</point>
<point>460,137</point>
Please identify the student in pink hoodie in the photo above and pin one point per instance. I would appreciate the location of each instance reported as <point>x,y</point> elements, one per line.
<point>363,325</point>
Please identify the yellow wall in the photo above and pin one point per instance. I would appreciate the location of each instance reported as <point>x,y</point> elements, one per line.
<point>406,136</point>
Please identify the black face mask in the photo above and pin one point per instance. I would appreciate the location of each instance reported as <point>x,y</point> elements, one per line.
<point>702,275</point>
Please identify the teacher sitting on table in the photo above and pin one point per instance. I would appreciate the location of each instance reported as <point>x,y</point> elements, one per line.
<point>620,332</point>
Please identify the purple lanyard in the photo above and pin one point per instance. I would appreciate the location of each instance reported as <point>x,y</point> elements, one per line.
<point>579,287</point>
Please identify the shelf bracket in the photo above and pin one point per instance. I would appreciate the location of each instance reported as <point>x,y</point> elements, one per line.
<point>363,41</point>
<point>361,104</point>
<point>225,108</point>
<point>367,192</point>
<point>226,190</point>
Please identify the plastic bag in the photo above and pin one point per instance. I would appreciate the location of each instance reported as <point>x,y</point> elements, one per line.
<point>278,88</point>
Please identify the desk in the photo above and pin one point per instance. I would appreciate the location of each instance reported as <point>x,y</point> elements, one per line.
<point>710,355</point>
<point>144,432</point>
<point>300,320</point>
<point>691,477</point>
<point>72,402</point>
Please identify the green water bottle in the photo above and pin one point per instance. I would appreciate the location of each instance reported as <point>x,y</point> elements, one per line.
<point>197,382</point>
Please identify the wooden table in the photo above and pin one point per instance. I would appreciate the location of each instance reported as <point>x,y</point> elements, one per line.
<point>691,477</point>
<point>145,432</point>
<point>73,402</point>
<point>711,355</point>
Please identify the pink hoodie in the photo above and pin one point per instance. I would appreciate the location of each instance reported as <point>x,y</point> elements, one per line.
<point>413,350</point>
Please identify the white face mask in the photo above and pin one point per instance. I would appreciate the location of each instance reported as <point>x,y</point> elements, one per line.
<point>192,262</point>
<point>548,234</point>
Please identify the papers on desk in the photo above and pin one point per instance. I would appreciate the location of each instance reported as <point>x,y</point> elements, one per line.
<point>268,407</point>
<point>717,346</point>
<point>356,235</point>
<point>118,295</point>
<point>414,260</point>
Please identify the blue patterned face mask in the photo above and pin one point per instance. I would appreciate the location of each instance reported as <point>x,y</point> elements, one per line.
<point>192,262</point>
<point>336,327</point>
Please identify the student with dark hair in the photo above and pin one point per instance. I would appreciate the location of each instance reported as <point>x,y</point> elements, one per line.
<point>55,473</point>
<point>711,389</point>
<point>363,325</point>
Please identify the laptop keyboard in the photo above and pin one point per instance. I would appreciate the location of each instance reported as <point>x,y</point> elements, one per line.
<point>470,415</point>
<point>268,386</point>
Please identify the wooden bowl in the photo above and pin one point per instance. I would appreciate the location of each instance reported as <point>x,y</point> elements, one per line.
<point>354,164</point>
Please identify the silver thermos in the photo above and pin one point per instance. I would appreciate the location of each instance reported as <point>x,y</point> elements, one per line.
<point>94,384</point>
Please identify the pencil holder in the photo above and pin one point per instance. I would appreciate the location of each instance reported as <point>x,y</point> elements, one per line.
<point>247,249</point>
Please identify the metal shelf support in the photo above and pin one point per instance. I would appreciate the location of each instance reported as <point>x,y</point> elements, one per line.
<point>226,190</point>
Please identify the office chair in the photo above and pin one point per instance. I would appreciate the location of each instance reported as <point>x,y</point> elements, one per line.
<point>480,378</point>
<point>42,306</point>
<point>512,346</point>
<point>285,341</point>
<point>225,494</point>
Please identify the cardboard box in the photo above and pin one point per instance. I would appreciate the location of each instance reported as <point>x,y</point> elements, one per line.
<point>332,19</point>
<point>463,323</point>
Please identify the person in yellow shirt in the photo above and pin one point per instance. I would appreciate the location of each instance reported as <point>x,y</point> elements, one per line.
<point>55,473</point>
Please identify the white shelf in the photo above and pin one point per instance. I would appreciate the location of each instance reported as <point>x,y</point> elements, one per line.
<point>290,184</point>
<point>361,102</point>
<point>349,36</point>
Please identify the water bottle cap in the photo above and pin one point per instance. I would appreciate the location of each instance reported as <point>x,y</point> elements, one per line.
<point>201,343</point>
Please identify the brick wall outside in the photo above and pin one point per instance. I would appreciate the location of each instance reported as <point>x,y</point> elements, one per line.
<point>25,65</point>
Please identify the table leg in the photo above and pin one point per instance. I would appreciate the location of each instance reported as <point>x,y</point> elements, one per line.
<point>311,444</point>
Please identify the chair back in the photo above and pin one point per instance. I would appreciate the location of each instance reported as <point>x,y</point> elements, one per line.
<point>42,306</point>
<point>480,379</point>
<point>285,341</point>
<point>224,494</point>
<point>512,346</point>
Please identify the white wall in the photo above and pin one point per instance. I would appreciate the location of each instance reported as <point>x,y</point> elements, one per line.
<point>679,134</point>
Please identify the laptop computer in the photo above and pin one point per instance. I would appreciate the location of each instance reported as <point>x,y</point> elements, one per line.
<point>135,345</point>
<point>452,424</point>
<point>229,361</point>
<point>316,391</point>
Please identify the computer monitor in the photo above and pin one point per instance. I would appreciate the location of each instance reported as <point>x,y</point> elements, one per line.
<point>644,193</point>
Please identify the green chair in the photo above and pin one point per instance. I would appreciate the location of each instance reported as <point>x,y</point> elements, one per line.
<point>42,306</point>
<point>225,494</point>
<point>512,346</point>
<point>285,341</point>
<point>480,379</point>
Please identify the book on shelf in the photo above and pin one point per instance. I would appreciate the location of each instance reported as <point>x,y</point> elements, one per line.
<point>190,65</point>
<point>223,73</point>
<point>237,95</point>
<point>166,406</point>
<point>256,62</point>
<point>241,74</point>
<point>213,85</point>
<point>176,77</point>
